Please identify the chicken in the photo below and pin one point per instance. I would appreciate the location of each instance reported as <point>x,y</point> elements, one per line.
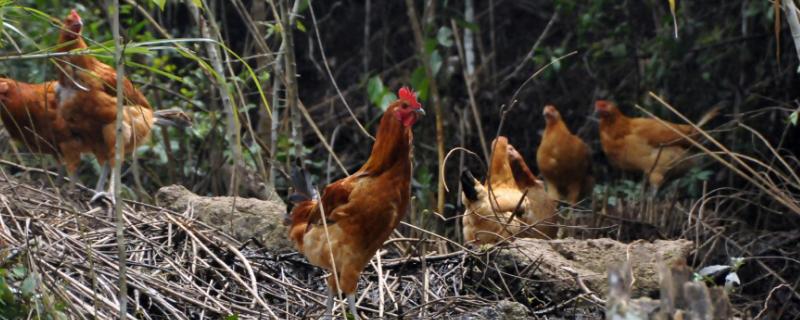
<point>541,210</point>
<point>361,210</point>
<point>29,114</point>
<point>645,145</point>
<point>483,225</point>
<point>503,190</point>
<point>563,159</point>
<point>76,69</point>
<point>88,103</point>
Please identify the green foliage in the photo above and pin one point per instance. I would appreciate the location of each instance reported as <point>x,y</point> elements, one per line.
<point>162,3</point>
<point>622,190</point>
<point>378,94</point>
<point>692,181</point>
<point>424,183</point>
<point>22,294</point>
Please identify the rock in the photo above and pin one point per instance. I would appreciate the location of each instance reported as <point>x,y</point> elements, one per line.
<point>591,260</point>
<point>503,310</point>
<point>241,218</point>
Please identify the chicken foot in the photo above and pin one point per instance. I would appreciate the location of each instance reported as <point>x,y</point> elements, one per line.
<point>351,301</point>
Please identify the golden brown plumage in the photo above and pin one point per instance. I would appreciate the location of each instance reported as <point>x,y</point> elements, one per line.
<point>76,69</point>
<point>644,145</point>
<point>504,192</point>
<point>483,225</point>
<point>563,160</point>
<point>361,210</point>
<point>542,207</point>
<point>87,101</point>
<point>30,115</point>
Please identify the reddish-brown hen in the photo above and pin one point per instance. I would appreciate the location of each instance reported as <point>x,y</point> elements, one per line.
<point>30,115</point>
<point>87,101</point>
<point>645,145</point>
<point>76,69</point>
<point>361,210</point>
<point>563,160</point>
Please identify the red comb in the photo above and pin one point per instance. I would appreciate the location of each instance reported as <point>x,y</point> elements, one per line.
<point>74,14</point>
<point>408,96</point>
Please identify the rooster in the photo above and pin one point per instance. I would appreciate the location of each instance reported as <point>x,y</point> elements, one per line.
<point>29,114</point>
<point>645,145</point>
<point>87,101</point>
<point>563,159</point>
<point>341,230</point>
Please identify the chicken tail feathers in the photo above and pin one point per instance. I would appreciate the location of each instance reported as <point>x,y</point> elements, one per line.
<point>708,116</point>
<point>302,198</point>
<point>303,189</point>
<point>468,185</point>
<point>173,118</point>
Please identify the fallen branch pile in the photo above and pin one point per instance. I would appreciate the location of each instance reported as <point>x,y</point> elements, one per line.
<point>181,268</point>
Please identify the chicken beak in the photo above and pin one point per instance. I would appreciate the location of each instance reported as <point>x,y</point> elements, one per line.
<point>420,111</point>
<point>75,16</point>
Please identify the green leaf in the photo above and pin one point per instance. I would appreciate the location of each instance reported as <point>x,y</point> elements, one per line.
<point>445,36</point>
<point>387,99</point>
<point>430,45</point>
<point>300,26</point>
<point>156,71</point>
<point>19,272</point>
<point>232,317</point>
<point>793,118</point>
<point>556,64</point>
<point>375,89</point>
<point>419,80</point>
<point>436,62</point>
<point>161,4</point>
<point>28,286</point>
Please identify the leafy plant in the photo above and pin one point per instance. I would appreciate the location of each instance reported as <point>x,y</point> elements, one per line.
<point>627,190</point>
<point>23,296</point>
<point>378,94</point>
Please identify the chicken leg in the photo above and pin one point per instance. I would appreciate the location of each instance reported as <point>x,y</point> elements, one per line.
<point>329,305</point>
<point>351,301</point>
<point>99,191</point>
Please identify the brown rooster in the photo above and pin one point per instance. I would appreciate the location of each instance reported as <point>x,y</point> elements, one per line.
<point>341,230</point>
